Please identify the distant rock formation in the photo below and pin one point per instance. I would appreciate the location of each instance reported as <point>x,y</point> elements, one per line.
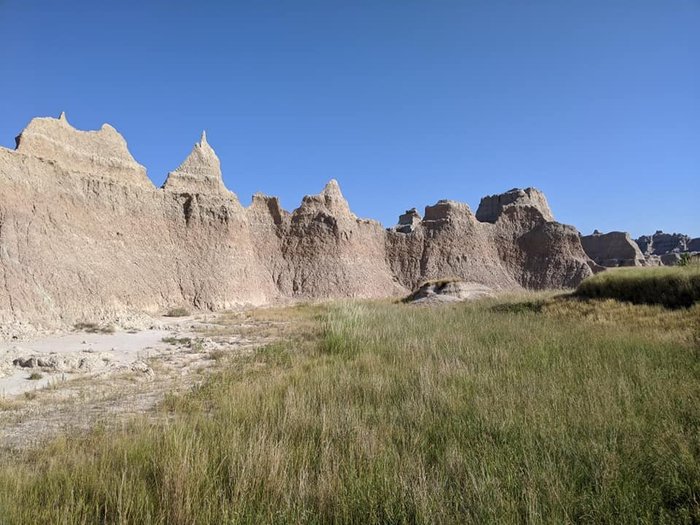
<point>618,249</point>
<point>613,249</point>
<point>664,243</point>
<point>85,235</point>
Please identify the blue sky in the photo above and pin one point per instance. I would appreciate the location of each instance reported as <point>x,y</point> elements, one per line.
<point>597,103</point>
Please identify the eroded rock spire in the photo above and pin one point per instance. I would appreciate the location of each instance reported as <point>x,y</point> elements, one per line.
<point>199,173</point>
<point>331,199</point>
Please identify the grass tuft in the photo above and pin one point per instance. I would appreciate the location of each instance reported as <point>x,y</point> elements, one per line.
<point>94,328</point>
<point>172,340</point>
<point>177,312</point>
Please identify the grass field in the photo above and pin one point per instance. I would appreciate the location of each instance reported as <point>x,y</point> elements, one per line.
<point>536,409</point>
<point>671,286</point>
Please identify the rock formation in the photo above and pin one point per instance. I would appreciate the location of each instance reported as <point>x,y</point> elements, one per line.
<point>103,154</point>
<point>199,173</point>
<point>448,291</point>
<point>408,221</point>
<point>665,243</point>
<point>613,249</point>
<point>85,235</point>
<point>491,207</point>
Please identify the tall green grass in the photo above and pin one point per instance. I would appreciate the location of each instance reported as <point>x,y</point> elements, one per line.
<point>571,412</point>
<point>674,286</point>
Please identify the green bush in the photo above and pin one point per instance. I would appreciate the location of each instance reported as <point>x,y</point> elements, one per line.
<point>94,328</point>
<point>177,312</point>
<point>688,259</point>
<point>673,287</point>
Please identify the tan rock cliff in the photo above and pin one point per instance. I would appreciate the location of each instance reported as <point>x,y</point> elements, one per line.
<point>85,235</point>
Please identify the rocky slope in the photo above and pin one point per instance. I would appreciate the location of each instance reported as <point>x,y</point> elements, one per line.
<point>84,235</point>
<point>613,249</point>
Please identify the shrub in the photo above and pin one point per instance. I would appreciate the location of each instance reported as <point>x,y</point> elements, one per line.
<point>686,260</point>
<point>171,340</point>
<point>673,287</point>
<point>177,312</point>
<point>93,328</point>
<point>34,376</point>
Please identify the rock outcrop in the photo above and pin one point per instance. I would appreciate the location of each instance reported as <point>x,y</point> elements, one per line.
<point>662,243</point>
<point>85,235</point>
<point>666,248</point>
<point>102,153</point>
<point>408,221</point>
<point>199,173</point>
<point>491,207</point>
<point>613,249</point>
<point>448,291</point>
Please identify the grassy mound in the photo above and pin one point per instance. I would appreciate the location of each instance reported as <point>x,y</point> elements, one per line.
<point>576,411</point>
<point>673,287</point>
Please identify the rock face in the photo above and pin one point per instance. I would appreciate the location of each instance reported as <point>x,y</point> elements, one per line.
<point>521,248</point>
<point>491,207</point>
<point>103,153</point>
<point>85,236</point>
<point>199,173</point>
<point>408,221</point>
<point>662,243</point>
<point>666,248</point>
<point>613,249</point>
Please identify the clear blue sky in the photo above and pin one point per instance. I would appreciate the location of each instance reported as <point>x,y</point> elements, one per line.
<point>597,103</point>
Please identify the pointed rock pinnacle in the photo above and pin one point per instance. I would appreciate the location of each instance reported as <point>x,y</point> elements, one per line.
<point>200,172</point>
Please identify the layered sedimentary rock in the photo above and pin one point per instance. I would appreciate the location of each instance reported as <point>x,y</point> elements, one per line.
<point>666,243</point>
<point>518,247</point>
<point>408,221</point>
<point>492,206</point>
<point>84,235</point>
<point>613,249</point>
<point>102,154</point>
<point>199,173</point>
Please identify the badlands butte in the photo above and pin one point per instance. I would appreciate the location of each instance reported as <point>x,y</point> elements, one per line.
<point>85,236</point>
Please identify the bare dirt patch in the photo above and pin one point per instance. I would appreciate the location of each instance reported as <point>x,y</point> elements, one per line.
<point>59,383</point>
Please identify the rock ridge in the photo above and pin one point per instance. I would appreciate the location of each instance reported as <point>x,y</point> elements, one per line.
<point>103,152</point>
<point>85,236</point>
